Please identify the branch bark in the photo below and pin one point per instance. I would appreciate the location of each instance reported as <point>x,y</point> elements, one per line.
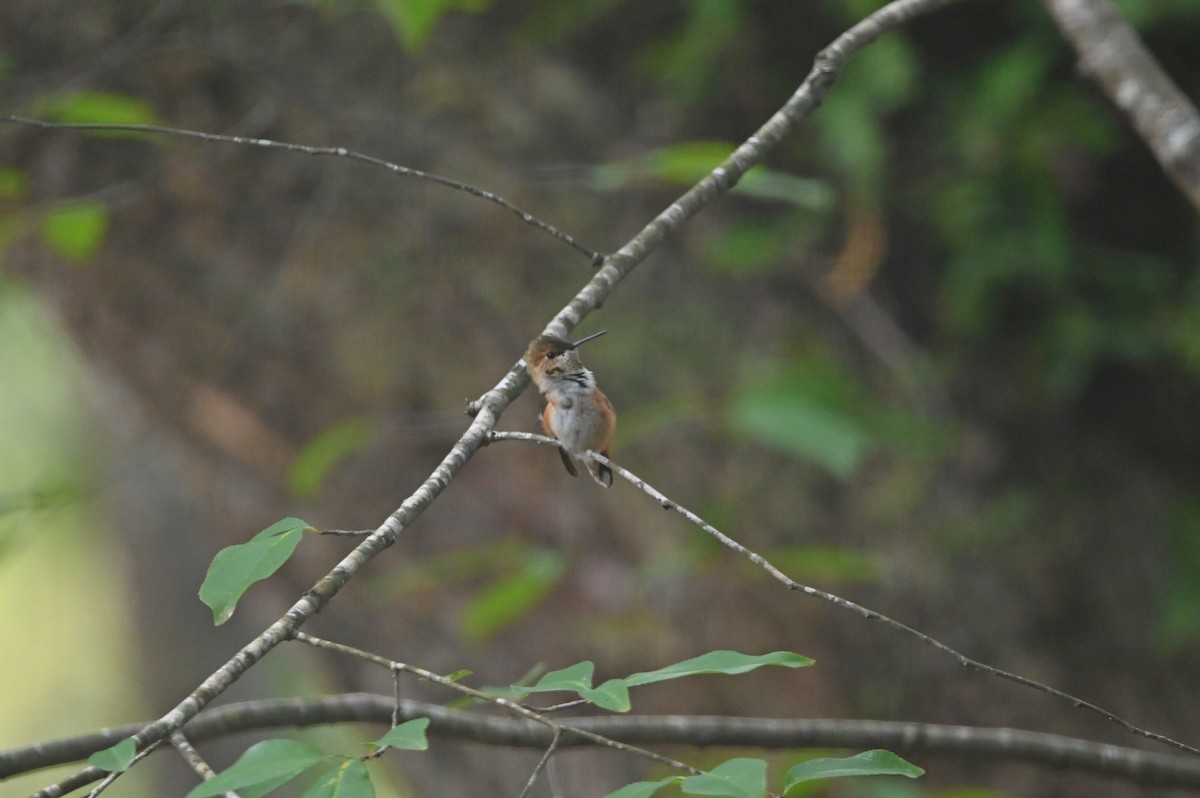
<point>959,742</point>
<point>1110,50</point>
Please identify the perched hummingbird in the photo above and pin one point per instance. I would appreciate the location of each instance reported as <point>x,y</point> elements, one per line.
<point>577,412</point>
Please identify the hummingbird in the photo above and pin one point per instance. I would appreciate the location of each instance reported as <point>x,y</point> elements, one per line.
<point>577,412</point>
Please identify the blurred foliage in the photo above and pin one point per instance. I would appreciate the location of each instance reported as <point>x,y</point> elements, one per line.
<point>810,407</point>
<point>825,565</point>
<point>412,21</point>
<point>56,571</point>
<point>685,163</point>
<point>13,184</point>
<point>507,580</point>
<point>325,451</point>
<point>97,107</point>
<point>1014,251</point>
<point>75,231</point>
<point>750,244</point>
<point>513,595</point>
<point>687,62</point>
<point>854,137</point>
<point>1179,621</point>
<point>1148,14</point>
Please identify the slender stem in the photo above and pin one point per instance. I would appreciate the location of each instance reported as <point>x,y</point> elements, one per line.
<point>194,760</point>
<point>479,695</point>
<point>846,604</point>
<point>596,258</point>
<point>541,765</point>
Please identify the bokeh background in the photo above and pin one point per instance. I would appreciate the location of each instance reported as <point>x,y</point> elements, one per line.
<point>940,356</point>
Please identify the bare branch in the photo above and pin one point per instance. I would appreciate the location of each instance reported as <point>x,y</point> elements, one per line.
<point>846,604</point>
<point>1110,50</point>
<point>337,152</point>
<point>193,758</point>
<point>541,765</point>
<point>828,64</point>
<point>536,717</point>
<point>960,742</point>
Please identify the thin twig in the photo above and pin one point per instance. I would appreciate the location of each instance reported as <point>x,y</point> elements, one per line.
<point>396,704</point>
<point>528,218</point>
<point>479,695</point>
<point>108,780</point>
<point>194,760</point>
<point>846,604</point>
<point>541,765</point>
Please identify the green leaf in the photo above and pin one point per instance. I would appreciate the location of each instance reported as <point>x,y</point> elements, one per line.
<point>868,763</point>
<point>736,778</point>
<point>853,139</point>
<point>267,764</point>
<point>235,568</point>
<point>820,563</point>
<point>1179,622</point>
<point>13,184</point>
<point>116,758</point>
<point>723,662</point>
<point>746,249</point>
<point>350,779</point>
<point>688,161</point>
<point>796,424</point>
<point>573,679</point>
<point>803,192</point>
<point>99,107</point>
<point>517,691</point>
<point>512,597</point>
<point>326,450</point>
<point>613,695</point>
<point>643,789</point>
<point>413,20</point>
<point>409,736</point>
<point>75,231</point>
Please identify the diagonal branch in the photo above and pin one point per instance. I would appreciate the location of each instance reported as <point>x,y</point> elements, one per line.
<point>866,612</point>
<point>1110,50</point>
<point>336,152</point>
<point>479,695</point>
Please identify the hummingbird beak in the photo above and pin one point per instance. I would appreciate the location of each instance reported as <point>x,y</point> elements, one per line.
<point>585,339</point>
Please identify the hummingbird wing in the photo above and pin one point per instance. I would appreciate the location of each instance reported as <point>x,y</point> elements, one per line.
<point>566,458</point>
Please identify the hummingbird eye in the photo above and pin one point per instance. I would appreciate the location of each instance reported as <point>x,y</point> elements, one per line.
<point>551,355</point>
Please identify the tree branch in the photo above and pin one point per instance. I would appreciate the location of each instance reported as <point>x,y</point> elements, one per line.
<point>1110,50</point>
<point>337,152</point>
<point>959,742</point>
<point>865,612</point>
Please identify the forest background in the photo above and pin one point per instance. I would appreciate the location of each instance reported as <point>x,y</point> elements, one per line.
<point>942,356</point>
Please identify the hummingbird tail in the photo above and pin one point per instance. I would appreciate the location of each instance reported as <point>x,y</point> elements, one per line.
<point>601,473</point>
<point>566,458</point>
